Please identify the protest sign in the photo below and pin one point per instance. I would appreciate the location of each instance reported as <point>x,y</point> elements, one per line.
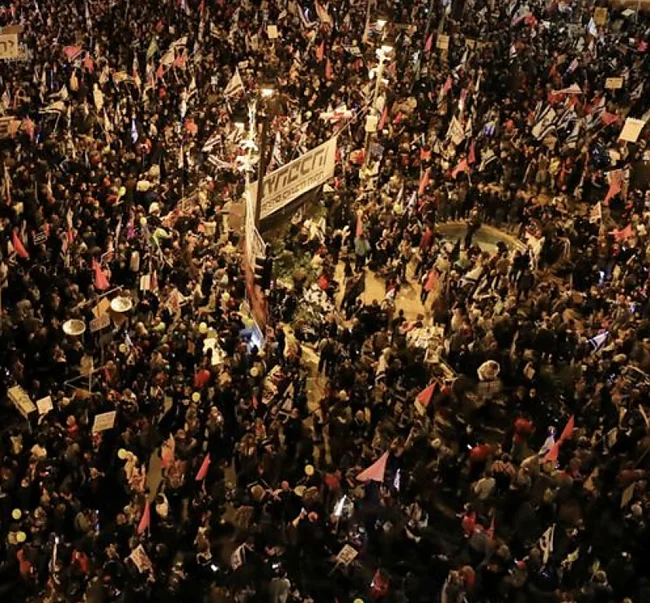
<point>631,129</point>
<point>104,421</point>
<point>346,555</point>
<point>443,42</point>
<point>614,83</point>
<point>44,405</point>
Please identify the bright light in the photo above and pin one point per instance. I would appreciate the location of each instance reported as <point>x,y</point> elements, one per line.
<point>381,22</point>
<point>338,508</point>
<point>267,91</point>
<point>386,48</point>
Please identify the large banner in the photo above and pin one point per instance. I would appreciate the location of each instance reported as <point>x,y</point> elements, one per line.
<point>296,178</point>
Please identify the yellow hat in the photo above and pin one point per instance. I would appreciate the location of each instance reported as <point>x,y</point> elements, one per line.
<point>226,296</point>
<point>143,221</point>
<point>21,537</point>
<point>254,372</point>
<point>16,514</point>
<point>309,470</point>
<point>196,397</point>
<point>121,454</point>
<point>203,327</point>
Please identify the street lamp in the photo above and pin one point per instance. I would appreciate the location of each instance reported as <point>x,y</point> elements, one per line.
<point>383,56</point>
<point>267,91</point>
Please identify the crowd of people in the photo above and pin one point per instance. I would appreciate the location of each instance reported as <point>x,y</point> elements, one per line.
<point>485,442</point>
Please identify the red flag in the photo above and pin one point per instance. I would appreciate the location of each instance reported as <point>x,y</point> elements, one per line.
<point>203,471</point>
<point>19,248</point>
<point>490,530</point>
<point>328,69</point>
<point>622,234</point>
<point>447,87</point>
<point>160,71</point>
<point>615,185</point>
<point>376,471</point>
<point>180,60</point>
<point>101,282</point>
<point>471,157</point>
<point>320,51</point>
<point>255,402</point>
<point>424,397</point>
<point>202,7</point>
<point>553,453</point>
<point>463,166</point>
<point>145,520</point>
<point>89,66</point>
<point>359,230</point>
<point>643,46</point>
<point>567,432</point>
<point>429,44</point>
<point>608,118</point>
<point>424,182</point>
<point>72,52</point>
<point>382,121</point>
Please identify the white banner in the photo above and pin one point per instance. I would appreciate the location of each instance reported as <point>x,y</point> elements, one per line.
<point>296,178</point>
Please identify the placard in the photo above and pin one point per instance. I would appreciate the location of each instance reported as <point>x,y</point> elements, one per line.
<point>8,46</point>
<point>99,323</point>
<point>631,129</point>
<point>102,307</point>
<point>140,559</point>
<point>272,32</point>
<point>614,83</point>
<point>442,42</point>
<point>104,421</point>
<point>44,405</point>
<point>40,237</point>
<point>346,555</point>
<point>21,401</point>
<point>600,16</point>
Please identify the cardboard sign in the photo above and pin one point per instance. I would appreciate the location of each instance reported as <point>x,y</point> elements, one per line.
<point>346,555</point>
<point>600,16</point>
<point>442,42</point>
<point>99,323</point>
<point>614,83</point>
<point>272,32</point>
<point>44,405</point>
<point>631,129</point>
<point>8,46</point>
<point>104,421</point>
<point>140,559</point>
<point>102,307</point>
<point>21,401</point>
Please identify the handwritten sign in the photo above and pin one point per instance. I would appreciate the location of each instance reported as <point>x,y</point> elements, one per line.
<point>614,83</point>
<point>140,559</point>
<point>8,46</point>
<point>272,31</point>
<point>631,129</point>
<point>346,555</point>
<point>99,323</point>
<point>21,400</point>
<point>44,405</point>
<point>443,42</point>
<point>104,421</point>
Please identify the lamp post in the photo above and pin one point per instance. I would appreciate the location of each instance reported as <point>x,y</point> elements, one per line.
<point>383,55</point>
<point>267,91</point>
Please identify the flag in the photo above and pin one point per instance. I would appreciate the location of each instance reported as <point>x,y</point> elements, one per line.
<point>471,156</point>
<point>567,432</point>
<point>89,66</point>
<point>203,471</point>
<point>463,166</point>
<point>424,182</point>
<point>382,121</point>
<point>323,14</point>
<point>160,71</point>
<point>72,52</point>
<point>235,85</point>
<point>592,30</point>
<point>153,48</point>
<point>359,229</point>
<point>624,233</point>
<point>553,454</point>
<point>615,185</point>
<point>376,471</point>
<point>101,282</point>
<point>145,520</point>
<point>424,397</point>
<point>447,87</point>
<point>19,248</point>
<point>56,107</point>
<point>572,89</point>
<point>545,543</point>
<point>328,69</point>
<point>608,118</point>
<point>320,51</point>
<point>429,44</point>
<point>544,124</point>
